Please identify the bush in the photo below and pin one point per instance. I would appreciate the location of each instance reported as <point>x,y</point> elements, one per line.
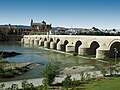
<point>27,86</point>
<point>51,70</point>
<point>67,82</point>
<point>2,71</point>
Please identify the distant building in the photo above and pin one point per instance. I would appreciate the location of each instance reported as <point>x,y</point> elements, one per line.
<point>43,27</point>
<point>16,30</point>
<point>34,28</point>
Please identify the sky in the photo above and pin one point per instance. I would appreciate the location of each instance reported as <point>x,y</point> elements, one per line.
<point>103,14</point>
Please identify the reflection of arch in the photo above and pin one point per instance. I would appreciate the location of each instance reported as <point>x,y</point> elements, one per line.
<point>78,43</point>
<point>112,49</point>
<point>93,46</point>
<point>63,47</point>
<point>56,43</point>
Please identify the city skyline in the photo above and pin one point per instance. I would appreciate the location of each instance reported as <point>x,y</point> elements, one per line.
<point>103,14</point>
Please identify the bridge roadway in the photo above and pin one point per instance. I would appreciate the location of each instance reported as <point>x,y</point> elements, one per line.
<point>101,46</point>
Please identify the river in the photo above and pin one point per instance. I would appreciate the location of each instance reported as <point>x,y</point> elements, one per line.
<point>42,56</point>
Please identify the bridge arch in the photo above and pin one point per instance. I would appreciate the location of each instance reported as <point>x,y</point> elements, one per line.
<point>113,46</point>
<point>45,39</point>
<point>113,41</point>
<point>77,44</point>
<point>51,39</point>
<point>93,46</point>
<point>63,47</point>
<point>56,42</point>
<point>40,38</point>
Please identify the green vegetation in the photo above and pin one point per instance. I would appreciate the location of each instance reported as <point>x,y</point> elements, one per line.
<point>69,83</point>
<point>109,81</point>
<point>105,84</point>
<point>27,86</point>
<point>11,69</point>
<point>87,82</point>
<point>50,71</point>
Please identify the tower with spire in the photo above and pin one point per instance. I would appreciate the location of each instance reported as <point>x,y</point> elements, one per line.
<point>31,22</point>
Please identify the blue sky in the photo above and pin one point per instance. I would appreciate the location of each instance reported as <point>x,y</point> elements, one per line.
<point>67,13</point>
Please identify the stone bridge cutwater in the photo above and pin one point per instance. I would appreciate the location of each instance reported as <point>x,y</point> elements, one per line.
<point>101,46</point>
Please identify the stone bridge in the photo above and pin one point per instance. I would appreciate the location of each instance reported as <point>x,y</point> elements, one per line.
<point>101,46</point>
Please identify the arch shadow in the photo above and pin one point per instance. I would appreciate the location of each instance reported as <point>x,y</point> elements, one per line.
<point>78,43</point>
<point>114,50</point>
<point>93,46</point>
<point>63,47</point>
<point>48,44</point>
<point>55,46</point>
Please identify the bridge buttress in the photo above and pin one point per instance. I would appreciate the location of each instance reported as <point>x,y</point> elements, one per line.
<point>102,53</point>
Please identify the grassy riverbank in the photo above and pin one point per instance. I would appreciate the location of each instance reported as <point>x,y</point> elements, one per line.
<point>105,84</point>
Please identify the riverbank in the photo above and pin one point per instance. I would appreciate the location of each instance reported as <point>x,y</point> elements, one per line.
<point>13,69</point>
<point>4,54</point>
<point>38,81</point>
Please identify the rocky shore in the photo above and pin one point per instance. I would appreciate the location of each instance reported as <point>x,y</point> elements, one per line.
<point>76,69</point>
<point>12,69</point>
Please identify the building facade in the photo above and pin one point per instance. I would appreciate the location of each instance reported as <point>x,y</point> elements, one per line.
<point>43,28</point>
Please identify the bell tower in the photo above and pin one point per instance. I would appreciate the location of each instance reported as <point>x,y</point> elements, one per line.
<point>31,22</point>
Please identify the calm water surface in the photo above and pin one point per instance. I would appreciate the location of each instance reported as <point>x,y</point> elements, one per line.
<point>42,56</point>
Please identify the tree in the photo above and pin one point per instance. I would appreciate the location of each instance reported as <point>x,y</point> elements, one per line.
<point>67,82</point>
<point>51,70</point>
<point>95,29</point>
<point>114,30</point>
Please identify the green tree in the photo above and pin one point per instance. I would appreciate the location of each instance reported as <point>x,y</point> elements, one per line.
<point>51,70</point>
<point>67,82</point>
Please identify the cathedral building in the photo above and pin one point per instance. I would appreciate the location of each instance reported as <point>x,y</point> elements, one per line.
<point>42,28</point>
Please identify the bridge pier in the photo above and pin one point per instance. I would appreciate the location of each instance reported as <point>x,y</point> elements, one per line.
<point>70,48</point>
<point>45,44</point>
<point>26,41</point>
<point>83,51</point>
<point>101,53</point>
<point>59,46</point>
<point>22,40</point>
<point>40,43</point>
<point>31,42</point>
<point>36,42</point>
<point>52,45</point>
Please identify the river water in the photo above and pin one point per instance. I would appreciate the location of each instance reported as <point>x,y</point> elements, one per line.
<point>42,56</point>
